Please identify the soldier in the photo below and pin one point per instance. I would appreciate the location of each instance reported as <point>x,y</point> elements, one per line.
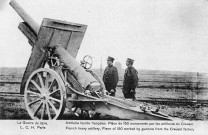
<point>110,77</point>
<point>130,80</point>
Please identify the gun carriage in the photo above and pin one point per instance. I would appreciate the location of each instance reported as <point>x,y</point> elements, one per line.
<point>53,80</point>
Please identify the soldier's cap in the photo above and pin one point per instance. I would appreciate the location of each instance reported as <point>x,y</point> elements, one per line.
<point>110,58</point>
<point>130,60</point>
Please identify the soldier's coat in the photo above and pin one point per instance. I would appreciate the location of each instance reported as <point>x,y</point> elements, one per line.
<point>110,77</point>
<point>130,82</point>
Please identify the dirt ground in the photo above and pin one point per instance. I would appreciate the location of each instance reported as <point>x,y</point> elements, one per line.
<point>187,112</point>
<point>13,107</point>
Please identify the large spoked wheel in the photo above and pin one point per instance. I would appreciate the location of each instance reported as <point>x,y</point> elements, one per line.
<point>45,95</point>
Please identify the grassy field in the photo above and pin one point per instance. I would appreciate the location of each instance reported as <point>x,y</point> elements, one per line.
<point>156,84</point>
<point>14,108</point>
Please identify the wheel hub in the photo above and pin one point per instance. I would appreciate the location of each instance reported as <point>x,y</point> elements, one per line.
<point>45,96</point>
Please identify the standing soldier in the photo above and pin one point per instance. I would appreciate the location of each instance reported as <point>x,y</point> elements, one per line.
<point>130,80</point>
<point>110,77</point>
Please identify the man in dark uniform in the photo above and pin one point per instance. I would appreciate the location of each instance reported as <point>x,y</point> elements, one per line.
<point>110,77</point>
<point>130,80</point>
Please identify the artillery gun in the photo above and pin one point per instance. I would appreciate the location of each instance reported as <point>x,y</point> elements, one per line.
<point>54,80</point>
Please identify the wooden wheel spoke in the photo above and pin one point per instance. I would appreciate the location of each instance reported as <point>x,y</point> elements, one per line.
<point>53,107</point>
<point>45,94</point>
<point>65,75</point>
<point>33,102</point>
<point>41,80</point>
<point>43,111</point>
<point>32,92</point>
<point>54,99</point>
<point>51,84</point>
<point>54,92</point>
<point>36,85</point>
<point>36,111</point>
<point>46,81</point>
<point>48,111</point>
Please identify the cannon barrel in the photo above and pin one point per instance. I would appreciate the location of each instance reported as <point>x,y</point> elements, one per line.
<point>23,14</point>
<point>83,77</point>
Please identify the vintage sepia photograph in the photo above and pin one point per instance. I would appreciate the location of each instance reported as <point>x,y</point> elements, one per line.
<point>104,60</point>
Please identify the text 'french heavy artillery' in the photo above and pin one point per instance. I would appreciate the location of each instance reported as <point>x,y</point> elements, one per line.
<point>54,80</point>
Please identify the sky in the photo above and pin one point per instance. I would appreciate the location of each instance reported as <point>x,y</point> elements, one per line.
<point>157,34</point>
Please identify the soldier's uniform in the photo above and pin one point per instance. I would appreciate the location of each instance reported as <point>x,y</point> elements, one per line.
<point>110,78</point>
<point>130,82</point>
